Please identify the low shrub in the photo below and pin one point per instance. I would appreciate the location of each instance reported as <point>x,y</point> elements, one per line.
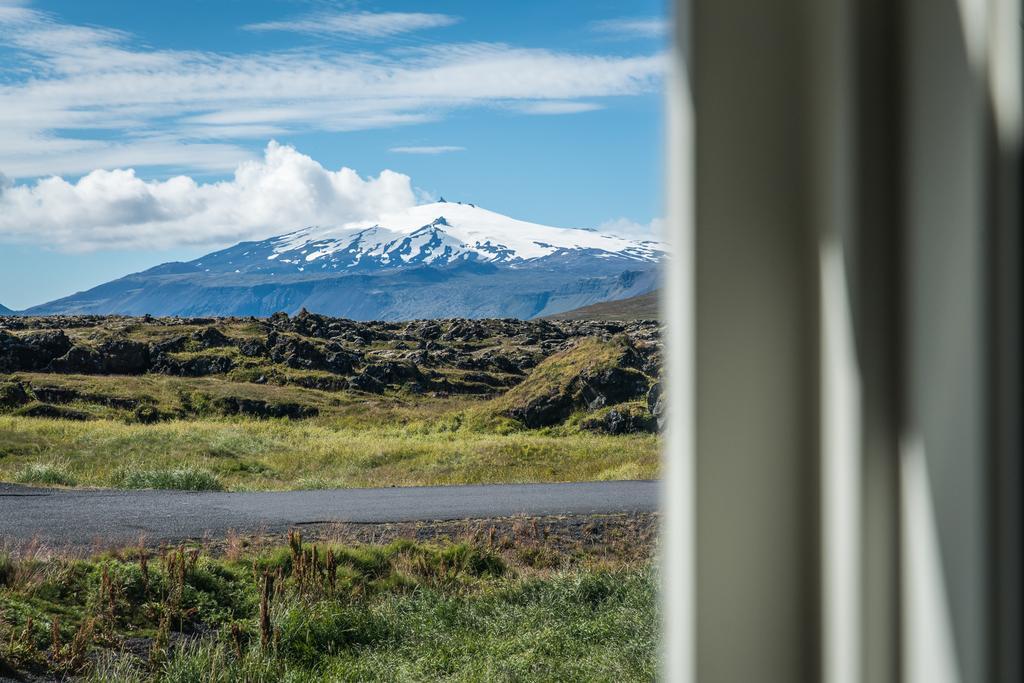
<point>47,473</point>
<point>180,479</point>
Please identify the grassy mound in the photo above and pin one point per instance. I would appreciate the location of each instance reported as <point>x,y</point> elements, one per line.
<point>588,376</point>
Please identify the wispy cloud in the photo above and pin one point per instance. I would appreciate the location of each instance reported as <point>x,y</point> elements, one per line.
<point>556,107</point>
<point>427,149</point>
<point>624,227</point>
<point>358,24</point>
<point>632,27</point>
<point>78,98</point>
<point>119,210</point>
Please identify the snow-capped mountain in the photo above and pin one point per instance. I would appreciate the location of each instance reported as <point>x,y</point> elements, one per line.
<point>437,234</point>
<point>445,259</point>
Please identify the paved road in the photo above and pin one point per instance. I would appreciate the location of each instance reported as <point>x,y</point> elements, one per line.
<point>102,516</point>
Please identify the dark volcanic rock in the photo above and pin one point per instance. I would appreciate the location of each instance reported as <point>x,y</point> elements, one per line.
<point>253,348</point>
<point>47,410</point>
<point>299,354</point>
<point>13,394</point>
<point>79,359</point>
<point>55,394</point>
<point>574,381</point>
<point>54,343</point>
<point>320,382</point>
<point>499,362</point>
<point>210,338</point>
<point>364,382</point>
<point>113,357</point>
<point>197,366</point>
<point>620,421</point>
<point>427,330</point>
<point>233,405</point>
<point>172,345</point>
<point>51,394</point>
<point>394,372</point>
<point>610,386</point>
<point>481,357</point>
<point>31,352</point>
<point>124,357</point>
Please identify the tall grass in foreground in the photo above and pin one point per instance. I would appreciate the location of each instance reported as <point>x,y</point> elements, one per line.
<point>400,612</point>
<point>278,454</point>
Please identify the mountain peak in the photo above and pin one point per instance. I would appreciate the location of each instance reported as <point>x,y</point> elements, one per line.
<point>440,233</point>
<point>442,259</point>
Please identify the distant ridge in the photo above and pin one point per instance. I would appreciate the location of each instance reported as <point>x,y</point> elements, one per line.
<point>5,311</point>
<point>438,260</point>
<point>642,307</point>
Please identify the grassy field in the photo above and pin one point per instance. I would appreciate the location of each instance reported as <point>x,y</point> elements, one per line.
<point>246,454</point>
<point>401,611</point>
<point>375,404</point>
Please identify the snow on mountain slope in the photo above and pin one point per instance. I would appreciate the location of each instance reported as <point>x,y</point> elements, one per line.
<point>444,259</point>
<point>438,234</point>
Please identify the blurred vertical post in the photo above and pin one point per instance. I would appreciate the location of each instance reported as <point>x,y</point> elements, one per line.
<point>678,499</point>
<point>843,457</point>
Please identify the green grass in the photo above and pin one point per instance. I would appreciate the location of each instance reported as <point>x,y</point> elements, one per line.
<point>196,397</point>
<point>45,473</point>
<point>180,478</point>
<point>245,454</point>
<point>156,431</point>
<point>398,612</point>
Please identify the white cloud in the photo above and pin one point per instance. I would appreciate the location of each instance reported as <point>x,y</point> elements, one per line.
<point>277,193</point>
<point>632,27</point>
<point>358,24</point>
<point>117,209</point>
<point>556,107</point>
<point>73,93</point>
<point>624,227</point>
<point>427,149</point>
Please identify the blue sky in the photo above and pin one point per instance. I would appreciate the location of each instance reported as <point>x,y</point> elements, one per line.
<point>546,111</point>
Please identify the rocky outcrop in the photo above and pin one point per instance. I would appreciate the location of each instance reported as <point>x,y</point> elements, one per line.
<point>172,345</point>
<point>51,411</point>
<point>298,353</point>
<point>57,394</point>
<point>539,372</point>
<point>31,352</point>
<point>112,357</point>
<point>13,394</point>
<point>588,376</point>
<point>233,405</point>
<point>79,359</point>
<point>253,348</point>
<point>622,419</point>
<point>124,357</point>
<point>196,366</point>
<point>210,338</point>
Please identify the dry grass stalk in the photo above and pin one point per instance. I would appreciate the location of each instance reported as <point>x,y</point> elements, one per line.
<point>266,634</point>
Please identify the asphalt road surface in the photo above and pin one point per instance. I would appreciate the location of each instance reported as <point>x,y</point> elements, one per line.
<point>81,517</point>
